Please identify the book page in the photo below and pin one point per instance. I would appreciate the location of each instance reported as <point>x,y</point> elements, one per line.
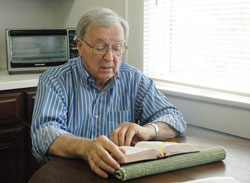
<point>133,150</point>
<point>134,154</point>
<point>167,148</point>
<point>178,148</point>
<point>153,144</point>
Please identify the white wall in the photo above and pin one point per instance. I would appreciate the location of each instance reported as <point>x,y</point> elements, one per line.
<point>68,12</point>
<point>135,42</point>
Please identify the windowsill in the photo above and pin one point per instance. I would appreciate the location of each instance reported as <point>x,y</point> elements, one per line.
<point>204,95</point>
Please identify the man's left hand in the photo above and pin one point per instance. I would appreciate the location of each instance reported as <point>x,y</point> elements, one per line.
<point>127,134</point>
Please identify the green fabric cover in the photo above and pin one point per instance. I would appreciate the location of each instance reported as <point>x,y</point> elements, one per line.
<point>207,154</point>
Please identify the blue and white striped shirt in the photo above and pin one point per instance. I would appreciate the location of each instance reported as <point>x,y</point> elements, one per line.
<point>67,102</point>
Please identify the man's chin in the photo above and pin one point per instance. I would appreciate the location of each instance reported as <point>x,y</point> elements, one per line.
<point>106,77</point>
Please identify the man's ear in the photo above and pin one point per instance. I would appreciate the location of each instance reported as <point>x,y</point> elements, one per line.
<point>79,44</point>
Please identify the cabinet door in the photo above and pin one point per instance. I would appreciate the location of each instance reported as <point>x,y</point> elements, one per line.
<point>29,103</point>
<point>12,157</point>
<point>33,165</point>
<point>11,109</point>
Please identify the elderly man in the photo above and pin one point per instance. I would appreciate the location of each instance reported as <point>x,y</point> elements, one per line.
<point>95,103</point>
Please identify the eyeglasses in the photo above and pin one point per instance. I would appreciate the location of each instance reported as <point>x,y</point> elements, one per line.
<point>102,49</point>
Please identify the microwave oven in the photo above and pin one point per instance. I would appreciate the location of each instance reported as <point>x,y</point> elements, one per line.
<point>36,50</point>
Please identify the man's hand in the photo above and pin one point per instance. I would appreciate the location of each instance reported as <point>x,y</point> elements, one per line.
<point>104,156</point>
<point>130,133</point>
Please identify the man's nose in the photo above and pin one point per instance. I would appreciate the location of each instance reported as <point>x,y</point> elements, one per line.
<point>109,54</point>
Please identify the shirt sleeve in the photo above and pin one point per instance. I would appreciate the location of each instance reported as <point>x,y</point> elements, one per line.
<point>154,106</point>
<point>49,118</point>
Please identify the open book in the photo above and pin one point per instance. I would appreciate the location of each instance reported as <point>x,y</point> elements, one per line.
<point>148,150</point>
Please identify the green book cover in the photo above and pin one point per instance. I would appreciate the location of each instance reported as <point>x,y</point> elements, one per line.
<point>207,154</point>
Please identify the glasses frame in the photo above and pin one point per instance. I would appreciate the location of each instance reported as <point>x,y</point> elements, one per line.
<point>125,47</point>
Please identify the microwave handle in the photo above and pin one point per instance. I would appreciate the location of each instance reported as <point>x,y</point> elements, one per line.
<point>40,32</point>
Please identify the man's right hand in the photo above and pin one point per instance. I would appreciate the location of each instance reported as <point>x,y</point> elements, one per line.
<point>104,156</point>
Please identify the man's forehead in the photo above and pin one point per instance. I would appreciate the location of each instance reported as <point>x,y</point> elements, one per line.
<point>104,41</point>
<point>102,33</point>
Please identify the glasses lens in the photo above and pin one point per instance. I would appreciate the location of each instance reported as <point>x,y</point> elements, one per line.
<point>117,50</point>
<point>103,49</point>
<point>100,49</point>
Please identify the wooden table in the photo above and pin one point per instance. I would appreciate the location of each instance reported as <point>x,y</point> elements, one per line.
<point>236,164</point>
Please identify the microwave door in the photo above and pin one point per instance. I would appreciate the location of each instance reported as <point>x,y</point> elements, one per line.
<point>39,49</point>
<point>24,49</point>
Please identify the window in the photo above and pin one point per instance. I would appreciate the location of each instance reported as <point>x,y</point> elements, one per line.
<point>205,44</point>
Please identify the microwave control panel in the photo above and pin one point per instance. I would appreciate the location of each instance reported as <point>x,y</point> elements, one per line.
<point>73,52</point>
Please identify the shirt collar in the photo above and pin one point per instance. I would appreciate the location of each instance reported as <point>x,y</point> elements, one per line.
<point>83,73</point>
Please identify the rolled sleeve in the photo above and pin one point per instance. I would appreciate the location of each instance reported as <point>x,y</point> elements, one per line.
<point>43,138</point>
<point>49,119</point>
<point>174,120</point>
<point>156,107</point>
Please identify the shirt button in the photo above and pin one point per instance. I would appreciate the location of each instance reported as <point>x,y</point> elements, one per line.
<point>96,116</point>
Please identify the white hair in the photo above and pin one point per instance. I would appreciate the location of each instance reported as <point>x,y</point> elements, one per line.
<point>100,17</point>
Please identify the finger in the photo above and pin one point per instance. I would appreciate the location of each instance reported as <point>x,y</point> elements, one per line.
<point>116,152</point>
<point>101,162</point>
<point>101,148</point>
<point>123,150</point>
<point>101,156</point>
<point>108,162</point>
<point>129,136</point>
<point>99,165</point>
<point>114,136</point>
<point>95,168</point>
<point>121,136</point>
<point>134,141</point>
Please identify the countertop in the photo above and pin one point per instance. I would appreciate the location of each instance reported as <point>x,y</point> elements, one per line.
<point>17,81</point>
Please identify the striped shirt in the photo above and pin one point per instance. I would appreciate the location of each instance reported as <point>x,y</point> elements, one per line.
<point>68,103</point>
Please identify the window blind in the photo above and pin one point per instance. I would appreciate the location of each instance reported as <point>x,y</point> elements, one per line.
<point>198,43</point>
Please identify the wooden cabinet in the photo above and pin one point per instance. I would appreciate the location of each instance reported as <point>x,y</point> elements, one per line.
<point>12,155</point>
<point>29,97</point>
<point>16,161</point>
<point>11,109</point>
